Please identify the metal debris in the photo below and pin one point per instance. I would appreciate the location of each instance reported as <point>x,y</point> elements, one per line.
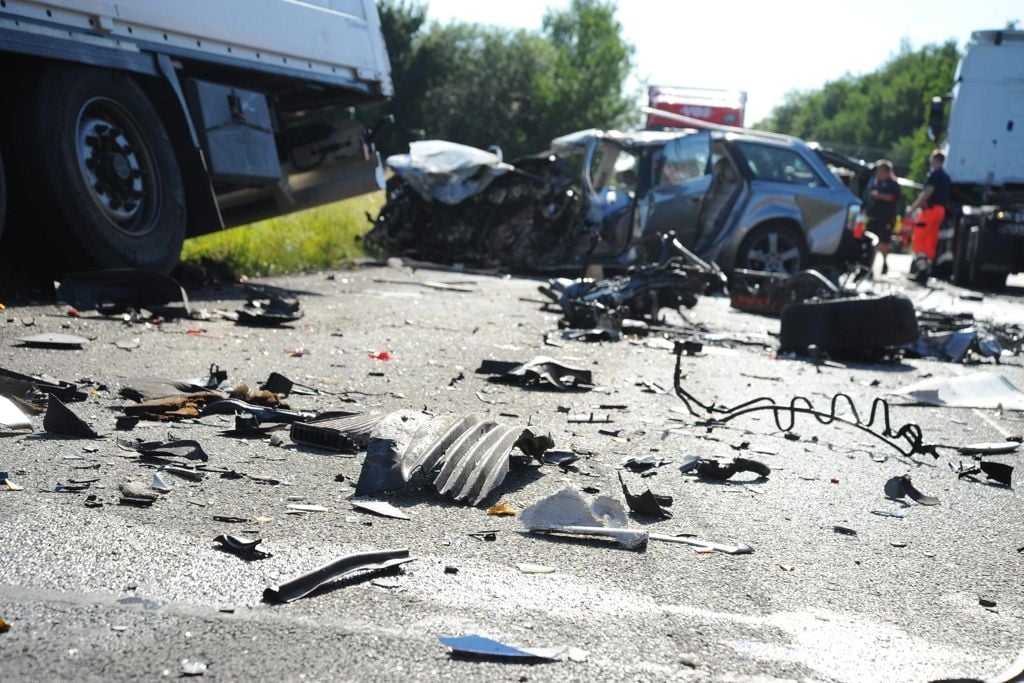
<point>537,371</point>
<point>998,448</point>
<point>185,449</point>
<point>12,419</point>
<point>342,433</point>
<point>195,666</point>
<point>263,310</point>
<point>59,419</point>
<point>247,548</point>
<point>478,646</point>
<point>303,585</point>
<point>29,387</point>
<point>700,544</point>
<point>711,469</point>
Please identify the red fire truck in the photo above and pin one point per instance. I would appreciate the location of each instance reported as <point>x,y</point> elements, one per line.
<point>724,107</point>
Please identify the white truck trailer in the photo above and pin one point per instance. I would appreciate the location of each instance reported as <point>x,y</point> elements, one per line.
<point>129,125</point>
<point>983,239</point>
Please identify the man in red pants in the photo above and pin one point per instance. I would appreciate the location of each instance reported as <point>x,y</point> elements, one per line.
<point>932,202</point>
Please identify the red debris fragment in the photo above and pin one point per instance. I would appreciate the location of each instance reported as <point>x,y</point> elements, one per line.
<point>295,353</point>
<point>380,355</point>
<point>73,312</point>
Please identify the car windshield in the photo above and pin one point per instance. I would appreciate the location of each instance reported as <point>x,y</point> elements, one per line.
<point>779,165</point>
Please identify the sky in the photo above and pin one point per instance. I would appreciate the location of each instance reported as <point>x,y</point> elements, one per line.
<point>765,48</point>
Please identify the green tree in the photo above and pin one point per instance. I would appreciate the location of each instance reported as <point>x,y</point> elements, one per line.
<point>482,85</point>
<point>882,113</point>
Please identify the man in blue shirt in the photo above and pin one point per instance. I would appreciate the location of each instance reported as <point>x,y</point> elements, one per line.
<point>932,202</point>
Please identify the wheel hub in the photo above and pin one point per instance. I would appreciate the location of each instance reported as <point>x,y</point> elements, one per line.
<point>111,164</point>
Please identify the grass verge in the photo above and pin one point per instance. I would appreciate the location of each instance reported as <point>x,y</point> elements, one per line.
<point>314,239</point>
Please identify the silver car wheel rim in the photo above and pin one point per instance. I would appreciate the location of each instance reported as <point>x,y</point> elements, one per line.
<point>774,252</point>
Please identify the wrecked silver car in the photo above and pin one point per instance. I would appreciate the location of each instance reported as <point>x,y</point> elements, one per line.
<point>761,202</point>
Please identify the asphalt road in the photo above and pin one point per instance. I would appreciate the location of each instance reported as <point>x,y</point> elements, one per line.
<point>120,592</point>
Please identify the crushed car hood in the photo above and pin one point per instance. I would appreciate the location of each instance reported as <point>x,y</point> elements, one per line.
<point>447,171</point>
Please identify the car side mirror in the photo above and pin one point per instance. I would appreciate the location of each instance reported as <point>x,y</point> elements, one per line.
<point>936,117</point>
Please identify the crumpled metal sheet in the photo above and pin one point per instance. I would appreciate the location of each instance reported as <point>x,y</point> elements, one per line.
<point>341,433</point>
<point>59,419</point>
<point>540,369</point>
<point>16,384</point>
<point>478,646</point>
<point>712,469</point>
<point>269,312</point>
<point>447,171</point>
<point>301,586</point>
<point>54,340</point>
<point>473,453</point>
<point>181,449</point>
<point>568,512</point>
<point>11,417</point>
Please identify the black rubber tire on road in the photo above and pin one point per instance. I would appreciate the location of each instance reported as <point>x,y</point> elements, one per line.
<point>762,236</point>
<point>848,325</point>
<point>99,182</point>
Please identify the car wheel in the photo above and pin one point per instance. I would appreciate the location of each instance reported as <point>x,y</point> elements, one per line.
<point>773,248</point>
<point>104,182</point>
<point>848,325</point>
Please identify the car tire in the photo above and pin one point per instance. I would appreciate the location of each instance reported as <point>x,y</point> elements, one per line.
<point>773,248</point>
<point>848,325</point>
<point>102,183</point>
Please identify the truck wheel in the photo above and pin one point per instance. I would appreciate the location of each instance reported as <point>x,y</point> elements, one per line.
<point>105,185</point>
<point>3,195</point>
<point>773,248</point>
<point>848,325</point>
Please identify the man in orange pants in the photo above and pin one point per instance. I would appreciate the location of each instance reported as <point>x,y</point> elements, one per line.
<point>932,202</point>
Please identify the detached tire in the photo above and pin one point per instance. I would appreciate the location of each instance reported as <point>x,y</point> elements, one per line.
<point>848,325</point>
<point>102,183</point>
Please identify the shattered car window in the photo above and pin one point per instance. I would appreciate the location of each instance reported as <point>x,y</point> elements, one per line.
<point>779,165</point>
<point>682,159</point>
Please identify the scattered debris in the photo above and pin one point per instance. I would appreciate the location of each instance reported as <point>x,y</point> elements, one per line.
<point>303,507</point>
<point>303,585</point>
<point>643,463</point>
<point>986,602</point>
<point>998,472</point>
<point>560,458</point>
<point>380,355</point>
<point>60,420</point>
<point>711,469</point>
<point>196,666</point>
<point>647,503</point>
<point>268,311</point>
<point>978,390</point>
<point>158,484</point>
<point>184,449</point>
<point>853,326</point>
<point>119,290</point>
<point>52,340</point>
<point>540,369</point>
<point>15,384</point>
<point>531,568</point>
<point>900,487</point>
<point>763,292</point>
<point>138,494</point>
<point>845,531</point>
<point>246,548</point>
<point>379,508</point>
<point>567,512</point>
<point>702,545</point>
<point>589,418</point>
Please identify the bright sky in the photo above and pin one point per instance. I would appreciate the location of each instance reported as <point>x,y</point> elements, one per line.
<point>766,48</point>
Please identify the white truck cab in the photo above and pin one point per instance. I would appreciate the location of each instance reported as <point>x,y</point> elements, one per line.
<point>983,240</point>
<point>129,125</point>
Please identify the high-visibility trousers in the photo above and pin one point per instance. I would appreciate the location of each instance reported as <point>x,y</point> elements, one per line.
<point>926,231</point>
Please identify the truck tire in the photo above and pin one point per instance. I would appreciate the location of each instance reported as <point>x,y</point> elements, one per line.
<point>3,195</point>
<point>773,248</point>
<point>848,325</point>
<point>961,256</point>
<point>103,185</point>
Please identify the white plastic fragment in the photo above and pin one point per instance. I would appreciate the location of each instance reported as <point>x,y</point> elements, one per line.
<point>567,512</point>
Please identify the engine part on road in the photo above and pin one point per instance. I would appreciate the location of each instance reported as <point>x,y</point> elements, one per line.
<point>849,326</point>
<point>301,586</point>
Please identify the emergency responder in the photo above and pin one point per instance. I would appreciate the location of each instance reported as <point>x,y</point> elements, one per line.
<point>884,196</point>
<point>932,202</point>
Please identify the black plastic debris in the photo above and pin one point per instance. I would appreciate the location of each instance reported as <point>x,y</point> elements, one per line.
<point>342,433</point>
<point>901,487</point>
<point>301,586</point>
<point>233,406</point>
<point>560,458</point>
<point>540,370</point>
<point>269,311</point>
<point>844,530</point>
<point>485,648</point>
<point>643,463</point>
<point>712,469</point>
<point>995,471</point>
<point>246,548</point>
<point>27,386</point>
<point>647,503</point>
<point>60,420</point>
<point>181,449</point>
<point>54,340</point>
<point>121,289</point>
<point>279,384</point>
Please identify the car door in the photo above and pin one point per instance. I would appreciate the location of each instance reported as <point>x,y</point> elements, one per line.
<point>681,177</point>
